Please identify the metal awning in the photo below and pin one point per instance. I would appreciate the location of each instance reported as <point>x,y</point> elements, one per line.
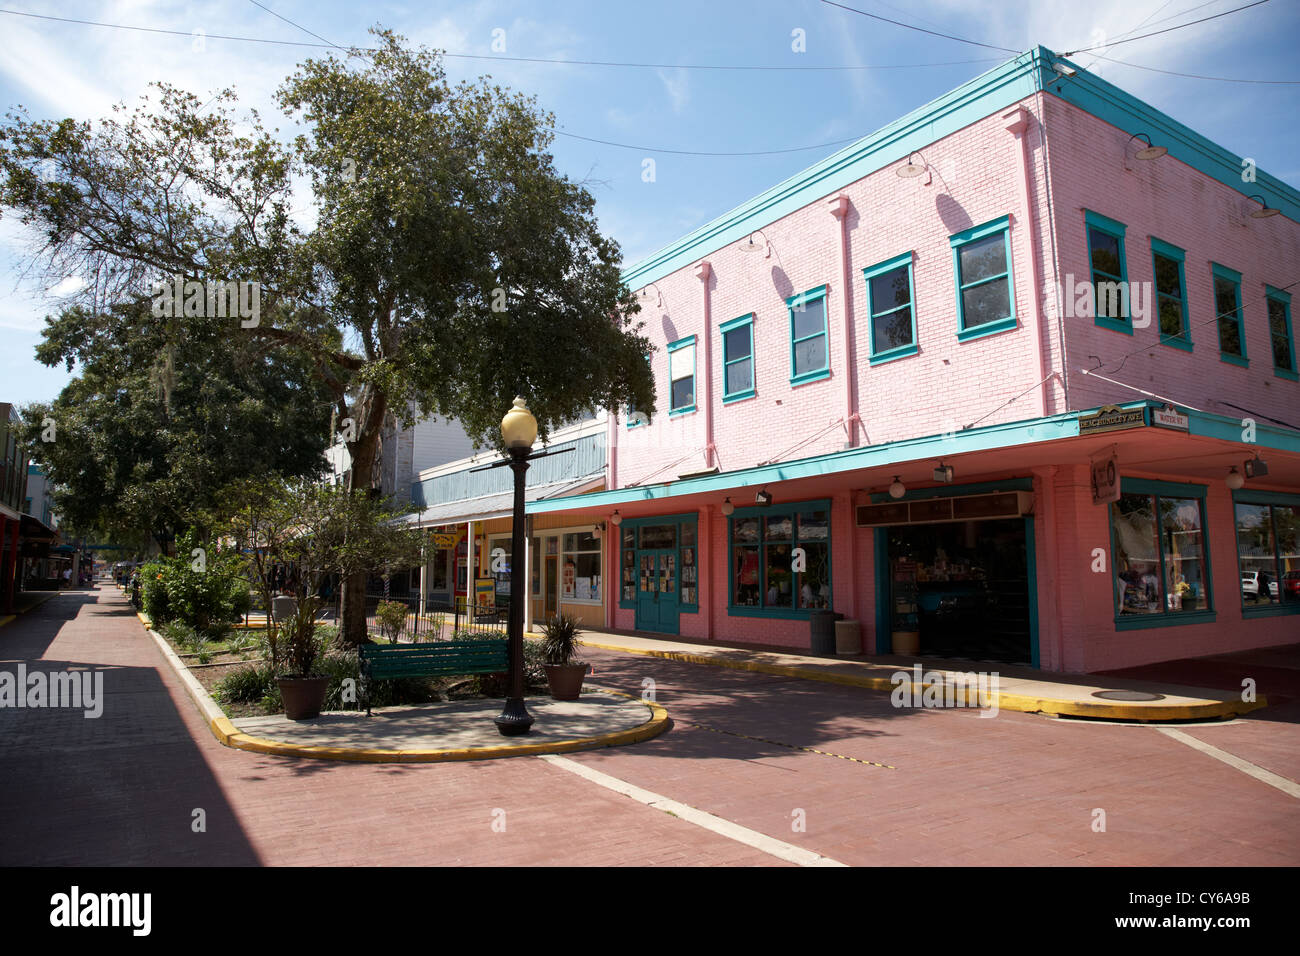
<point>500,505</point>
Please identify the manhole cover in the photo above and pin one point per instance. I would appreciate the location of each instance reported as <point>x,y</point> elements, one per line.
<point>1127,695</point>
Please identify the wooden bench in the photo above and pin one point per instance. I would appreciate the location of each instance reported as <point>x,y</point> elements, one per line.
<point>437,659</point>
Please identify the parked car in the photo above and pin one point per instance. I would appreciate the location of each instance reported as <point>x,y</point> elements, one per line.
<point>1291,586</point>
<point>1250,584</point>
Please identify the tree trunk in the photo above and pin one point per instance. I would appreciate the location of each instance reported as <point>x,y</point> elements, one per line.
<point>370,409</point>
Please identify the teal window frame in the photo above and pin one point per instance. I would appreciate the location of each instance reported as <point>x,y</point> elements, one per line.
<point>731,326</point>
<point>1229,275</point>
<point>1245,496</point>
<point>635,524</point>
<point>794,509</point>
<point>1169,251</point>
<point>688,341</point>
<point>878,356</point>
<point>797,303</point>
<point>1094,221</point>
<point>1164,617</point>
<point>1003,225</point>
<point>1283,298</point>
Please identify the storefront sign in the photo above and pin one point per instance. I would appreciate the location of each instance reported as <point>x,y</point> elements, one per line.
<point>1105,481</point>
<point>485,594</point>
<point>1111,418</point>
<point>444,539</point>
<point>1169,418</point>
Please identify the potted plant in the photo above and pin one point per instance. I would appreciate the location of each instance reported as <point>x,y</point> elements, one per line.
<point>564,673</point>
<point>302,690</point>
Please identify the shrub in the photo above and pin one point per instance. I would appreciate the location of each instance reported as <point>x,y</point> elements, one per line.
<point>248,685</point>
<point>179,633</point>
<point>208,598</point>
<point>391,616</point>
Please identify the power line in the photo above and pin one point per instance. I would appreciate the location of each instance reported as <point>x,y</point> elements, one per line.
<point>291,23</point>
<point>1156,33</point>
<point>694,152</point>
<point>501,58</point>
<point>1195,76</point>
<point>933,33</point>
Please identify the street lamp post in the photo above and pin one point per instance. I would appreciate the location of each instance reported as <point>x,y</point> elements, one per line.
<point>519,429</point>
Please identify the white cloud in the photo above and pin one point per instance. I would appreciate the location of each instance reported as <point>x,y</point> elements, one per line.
<point>677,85</point>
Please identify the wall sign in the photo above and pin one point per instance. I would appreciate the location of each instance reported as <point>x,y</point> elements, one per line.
<point>1105,481</point>
<point>1169,418</point>
<point>1111,418</point>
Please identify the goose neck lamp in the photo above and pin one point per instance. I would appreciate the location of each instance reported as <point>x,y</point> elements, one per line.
<point>519,430</point>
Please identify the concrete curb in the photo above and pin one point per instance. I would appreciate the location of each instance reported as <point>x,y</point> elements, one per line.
<point>1021,703</point>
<point>231,736</point>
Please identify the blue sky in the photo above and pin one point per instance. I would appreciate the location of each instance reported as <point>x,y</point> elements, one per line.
<point>64,69</point>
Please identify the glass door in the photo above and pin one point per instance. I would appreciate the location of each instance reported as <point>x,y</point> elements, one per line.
<point>657,580</point>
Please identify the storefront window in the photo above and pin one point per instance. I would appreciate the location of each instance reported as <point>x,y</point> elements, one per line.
<point>580,572</point>
<point>1268,554</point>
<point>780,560</point>
<point>1159,554</point>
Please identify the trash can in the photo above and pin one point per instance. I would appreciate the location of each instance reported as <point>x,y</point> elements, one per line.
<point>823,631</point>
<point>848,638</point>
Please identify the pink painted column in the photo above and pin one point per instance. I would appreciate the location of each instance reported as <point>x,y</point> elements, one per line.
<point>703,272</point>
<point>1017,122</point>
<point>839,206</point>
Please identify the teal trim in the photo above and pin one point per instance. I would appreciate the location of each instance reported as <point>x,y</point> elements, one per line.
<point>1269,499</point>
<point>1168,251</point>
<point>985,95</point>
<point>1229,275</point>
<point>1283,299</point>
<point>1093,221</point>
<point>884,599</point>
<point>797,303</point>
<point>1104,223</point>
<point>1271,610</point>
<point>1005,435</point>
<point>1031,567</point>
<point>681,519</point>
<point>1164,617</point>
<point>1003,225</point>
<point>743,322</point>
<point>793,508</point>
<point>1246,496</point>
<point>1230,429</point>
<point>880,356</point>
<point>957,491</point>
<point>687,342</point>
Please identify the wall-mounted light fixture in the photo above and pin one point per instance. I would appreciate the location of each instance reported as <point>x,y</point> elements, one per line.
<point>1265,211</point>
<point>1147,152</point>
<point>764,497</point>
<point>616,518</point>
<point>659,296</point>
<point>943,473</point>
<point>911,169</point>
<point>598,530</point>
<point>1234,479</point>
<point>750,246</point>
<point>727,506</point>
<point>896,488</point>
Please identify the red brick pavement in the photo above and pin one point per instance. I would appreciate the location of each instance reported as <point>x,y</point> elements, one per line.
<point>1016,789</point>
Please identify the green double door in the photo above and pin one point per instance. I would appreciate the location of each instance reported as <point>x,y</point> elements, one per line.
<point>657,592</point>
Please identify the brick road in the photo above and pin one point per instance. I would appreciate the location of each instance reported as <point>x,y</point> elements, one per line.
<point>1016,789</point>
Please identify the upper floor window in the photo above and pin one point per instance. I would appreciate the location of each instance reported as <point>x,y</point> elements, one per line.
<point>681,375</point>
<point>1227,311</point>
<point>738,359</point>
<point>982,266</point>
<point>892,311</point>
<point>1171,294</point>
<point>1110,300</point>
<point>810,350</point>
<point>1279,330</point>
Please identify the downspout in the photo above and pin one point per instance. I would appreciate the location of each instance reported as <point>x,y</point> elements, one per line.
<point>1017,122</point>
<point>839,206</point>
<point>703,272</point>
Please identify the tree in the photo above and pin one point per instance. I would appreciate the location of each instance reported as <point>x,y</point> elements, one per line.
<point>164,413</point>
<point>450,267</point>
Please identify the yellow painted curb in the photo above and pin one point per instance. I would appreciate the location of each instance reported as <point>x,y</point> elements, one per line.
<point>226,732</point>
<point>1020,703</point>
<point>7,618</point>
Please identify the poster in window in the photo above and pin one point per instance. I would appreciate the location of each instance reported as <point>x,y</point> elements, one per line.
<point>570,577</point>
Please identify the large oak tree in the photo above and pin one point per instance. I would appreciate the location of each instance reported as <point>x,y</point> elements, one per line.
<point>449,267</point>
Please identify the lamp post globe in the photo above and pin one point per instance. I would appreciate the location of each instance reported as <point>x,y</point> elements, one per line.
<point>519,427</point>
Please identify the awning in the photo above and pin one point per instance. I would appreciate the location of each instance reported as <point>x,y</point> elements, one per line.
<point>501,505</point>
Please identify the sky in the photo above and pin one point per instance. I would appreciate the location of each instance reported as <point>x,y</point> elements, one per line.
<point>666,103</point>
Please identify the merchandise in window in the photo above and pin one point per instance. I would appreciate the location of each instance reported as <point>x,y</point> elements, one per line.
<point>1159,555</point>
<point>780,560</point>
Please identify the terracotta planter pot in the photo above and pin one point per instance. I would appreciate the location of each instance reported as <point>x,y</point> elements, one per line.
<point>303,696</point>
<point>565,680</point>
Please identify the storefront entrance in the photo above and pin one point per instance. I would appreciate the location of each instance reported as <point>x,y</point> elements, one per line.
<point>656,600</point>
<point>965,587</point>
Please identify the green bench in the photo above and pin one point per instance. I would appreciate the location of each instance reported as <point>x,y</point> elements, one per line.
<point>437,659</point>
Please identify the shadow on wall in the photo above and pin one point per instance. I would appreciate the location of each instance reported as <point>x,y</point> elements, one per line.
<point>955,219</point>
<point>781,282</point>
<point>670,330</point>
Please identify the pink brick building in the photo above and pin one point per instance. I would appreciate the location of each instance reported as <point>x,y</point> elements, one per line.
<point>983,382</point>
